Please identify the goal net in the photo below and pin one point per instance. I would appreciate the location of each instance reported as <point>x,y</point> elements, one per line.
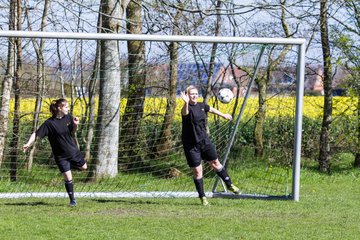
<point>129,105</point>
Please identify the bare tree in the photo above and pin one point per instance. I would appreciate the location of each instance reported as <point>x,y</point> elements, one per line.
<point>60,69</point>
<point>91,101</point>
<point>346,36</point>
<point>7,82</point>
<point>16,118</point>
<point>263,82</point>
<point>107,128</point>
<point>131,121</point>
<point>40,75</point>
<point>217,32</point>
<point>164,142</point>
<point>91,111</point>
<point>324,154</point>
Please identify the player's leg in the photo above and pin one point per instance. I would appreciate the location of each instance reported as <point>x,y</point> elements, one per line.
<point>69,186</point>
<point>65,169</point>
<point>199,184</point>
<point>209,154</point>
<point>78,162</point>
<point>223,174</point>
<point>193,158</point>
<point>83,167</point>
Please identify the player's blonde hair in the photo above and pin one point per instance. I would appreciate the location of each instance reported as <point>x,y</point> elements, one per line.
<point>191,87</point>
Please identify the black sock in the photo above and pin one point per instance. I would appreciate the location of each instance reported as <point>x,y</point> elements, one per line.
<point>70,189</point>
<point>199,187</point>
<point>224,176</point>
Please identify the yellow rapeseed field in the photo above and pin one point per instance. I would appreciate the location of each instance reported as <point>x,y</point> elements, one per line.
<point>276,107</point>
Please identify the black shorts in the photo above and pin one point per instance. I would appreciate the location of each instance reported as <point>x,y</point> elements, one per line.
<point>65,164</point>
<point>203,150</point>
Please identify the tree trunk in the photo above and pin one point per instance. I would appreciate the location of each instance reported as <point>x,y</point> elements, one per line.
<point>107,127</point>
<point>136,90</point>
<point>91,104</point>
<point>164,143</point>
<point>91,107</point>
<point>357,154</point>
<point>357,160</point>
<point>263,83</point>
<point>207,93</point>
<point>91,114</point>
<point>60,69</point>
<point>40,78</point>
<point>324,155</point>
<point>7,84</point>
<point>260,117</point>
<point>16,119</point>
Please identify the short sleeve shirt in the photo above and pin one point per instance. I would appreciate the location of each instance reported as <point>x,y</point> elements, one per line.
<point>58,132</point>
<point>194,124</point>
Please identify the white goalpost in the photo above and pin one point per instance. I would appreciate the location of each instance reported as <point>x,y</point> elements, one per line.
<point>151,162</point>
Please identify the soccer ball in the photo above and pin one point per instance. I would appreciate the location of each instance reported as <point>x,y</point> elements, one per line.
<point>225,95</point>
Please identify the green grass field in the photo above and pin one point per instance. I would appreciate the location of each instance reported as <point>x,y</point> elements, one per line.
<point>328,209</point>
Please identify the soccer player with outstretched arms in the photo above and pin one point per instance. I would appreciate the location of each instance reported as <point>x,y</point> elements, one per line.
<point>197,144</point>
<point>59,129</point>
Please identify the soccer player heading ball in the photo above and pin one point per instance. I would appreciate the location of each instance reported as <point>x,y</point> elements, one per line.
<point>59,129</point>
<point>197,144</point>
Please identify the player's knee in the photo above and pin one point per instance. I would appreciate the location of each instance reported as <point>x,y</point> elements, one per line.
<point>83,167</point>
<point>198,175</point>
<point>197,172</point>
<point>216,165</point>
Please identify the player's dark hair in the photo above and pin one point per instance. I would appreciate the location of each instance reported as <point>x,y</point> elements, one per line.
<point>55,104</point>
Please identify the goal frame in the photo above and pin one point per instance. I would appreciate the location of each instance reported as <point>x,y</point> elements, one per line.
<point>300,75</point>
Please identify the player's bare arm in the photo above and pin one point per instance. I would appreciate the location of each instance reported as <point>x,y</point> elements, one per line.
<point>76,122</point>
<point>30,142</point>
<point>224,115</point>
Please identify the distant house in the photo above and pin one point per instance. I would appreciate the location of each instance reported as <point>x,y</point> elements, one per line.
<point>197,75</point>
<point>314,80</point>
<point>281,80</point>
<point>234,78</point>
<point>187,74</point>
<point>284,80</point>
<point>220,77</point>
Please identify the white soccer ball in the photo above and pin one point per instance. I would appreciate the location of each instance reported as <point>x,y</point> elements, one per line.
<point>225,95</point>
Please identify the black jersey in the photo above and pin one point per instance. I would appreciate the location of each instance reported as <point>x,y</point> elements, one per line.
<point>58,132</point>
<point>194,124</point>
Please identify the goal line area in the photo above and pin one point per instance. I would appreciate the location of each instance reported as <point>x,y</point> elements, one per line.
<point>129,106</point>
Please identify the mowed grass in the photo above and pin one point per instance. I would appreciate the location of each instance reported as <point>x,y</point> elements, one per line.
<point>328,209</point>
